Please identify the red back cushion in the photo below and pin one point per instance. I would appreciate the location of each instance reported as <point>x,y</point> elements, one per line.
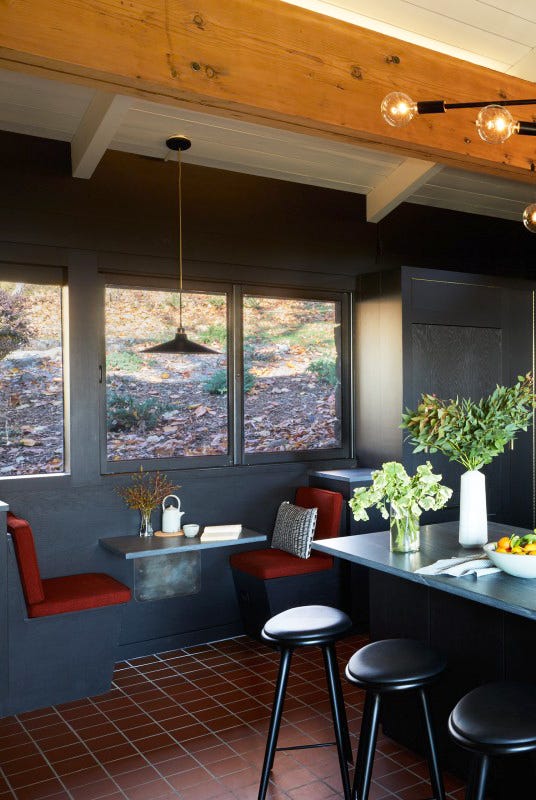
<point>329,506</point>
<point>26,559</point>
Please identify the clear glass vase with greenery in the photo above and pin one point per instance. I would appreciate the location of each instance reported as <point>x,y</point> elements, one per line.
<point>402,499</point>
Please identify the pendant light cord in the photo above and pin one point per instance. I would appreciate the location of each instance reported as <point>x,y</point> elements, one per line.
<point>180,239</point>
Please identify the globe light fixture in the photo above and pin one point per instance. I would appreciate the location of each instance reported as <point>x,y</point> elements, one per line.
<point>529,218</point>
<point>398,109</point>
<point>495,124</point>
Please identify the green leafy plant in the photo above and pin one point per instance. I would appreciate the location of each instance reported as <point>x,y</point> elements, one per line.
<point>471,433</point>
<point>217,383</point>
<point>125,412</point>
<point>407,497</point>
<point>216,333</point>
<point>325,370</point>
<point>391,485</point>
<point>123,361</point>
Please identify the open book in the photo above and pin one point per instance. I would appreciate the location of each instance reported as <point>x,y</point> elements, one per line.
<point>216,533</point>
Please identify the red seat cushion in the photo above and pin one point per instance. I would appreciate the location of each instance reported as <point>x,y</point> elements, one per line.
<point>274,563</point>
<point>26,559</point>
<point>79,592</point>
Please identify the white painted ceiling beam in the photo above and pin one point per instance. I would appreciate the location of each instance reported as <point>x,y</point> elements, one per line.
<point>97,128</point>
<point>398,186</point>
<point>525,67</point>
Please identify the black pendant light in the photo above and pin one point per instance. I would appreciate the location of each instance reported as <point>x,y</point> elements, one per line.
<point>181,343</point>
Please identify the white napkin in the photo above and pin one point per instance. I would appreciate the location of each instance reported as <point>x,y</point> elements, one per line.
<point>458,567</point>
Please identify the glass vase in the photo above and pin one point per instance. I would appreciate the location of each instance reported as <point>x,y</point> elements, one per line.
<point>146,529</point>
<point>405,532</point>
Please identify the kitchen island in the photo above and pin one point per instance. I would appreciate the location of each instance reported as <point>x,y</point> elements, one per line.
<point>485,626</point>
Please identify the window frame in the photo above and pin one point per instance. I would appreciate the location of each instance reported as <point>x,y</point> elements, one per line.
<point>174,462</point>
<point>315,454</point>
<point>236,455</point>
<point>48,276</point>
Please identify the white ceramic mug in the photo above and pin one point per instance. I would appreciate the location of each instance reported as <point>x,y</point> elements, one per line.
<point>192,529</point>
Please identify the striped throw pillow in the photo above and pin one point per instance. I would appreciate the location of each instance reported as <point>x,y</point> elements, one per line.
<point>294,529</point>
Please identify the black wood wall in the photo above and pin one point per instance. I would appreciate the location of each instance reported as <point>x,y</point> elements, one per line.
<point>236,227</point>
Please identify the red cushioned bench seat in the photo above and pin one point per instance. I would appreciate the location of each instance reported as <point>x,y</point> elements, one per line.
<point>268,564</point>
<point>78,593</point>
<point>64,594</point>
<point>270,580</point>
<point>63,632</point>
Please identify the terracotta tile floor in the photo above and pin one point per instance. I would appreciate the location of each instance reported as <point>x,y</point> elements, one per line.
<point>191,724</point>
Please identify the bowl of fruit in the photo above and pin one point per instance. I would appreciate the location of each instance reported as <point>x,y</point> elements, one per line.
<point>513,554</point>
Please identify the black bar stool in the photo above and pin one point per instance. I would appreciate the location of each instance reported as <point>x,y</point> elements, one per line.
<point>494,720</point>
<point>393,665</point>
<point>300,627</point>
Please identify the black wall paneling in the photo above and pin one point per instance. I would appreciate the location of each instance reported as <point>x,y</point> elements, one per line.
<point>4,663</point>
<point>452,334</point>
<point>238,228</point>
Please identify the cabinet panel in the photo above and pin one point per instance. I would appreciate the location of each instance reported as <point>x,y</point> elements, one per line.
<point>462,337</point>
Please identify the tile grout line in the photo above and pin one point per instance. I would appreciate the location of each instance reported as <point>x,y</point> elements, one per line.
<point>43,754</point>
<point>184,676</point>
<point>146,683</point>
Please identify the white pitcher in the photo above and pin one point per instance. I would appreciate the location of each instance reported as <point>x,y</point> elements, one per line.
<point>171,516</point>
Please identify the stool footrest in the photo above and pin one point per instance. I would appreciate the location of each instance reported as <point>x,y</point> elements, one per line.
<point>307,746</point>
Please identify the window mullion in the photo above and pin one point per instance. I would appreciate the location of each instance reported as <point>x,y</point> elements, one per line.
<point>236,377</point>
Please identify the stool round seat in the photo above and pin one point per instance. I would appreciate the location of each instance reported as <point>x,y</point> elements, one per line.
<point>304,625</point>
<point>497,718</point>
<point>395,664</point>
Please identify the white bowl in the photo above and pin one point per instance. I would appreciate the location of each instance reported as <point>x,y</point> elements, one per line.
<point>519,566</point>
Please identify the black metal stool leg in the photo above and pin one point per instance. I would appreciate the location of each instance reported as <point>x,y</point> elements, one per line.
<point>436,779</point>
<point>367,746</point>
<point>340,723</point>
<point>339,697</point>
<point>275,719</point>
<point>477,786</point>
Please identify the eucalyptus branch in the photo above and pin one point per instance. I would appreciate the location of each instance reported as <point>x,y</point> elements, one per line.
<point>471,433</point>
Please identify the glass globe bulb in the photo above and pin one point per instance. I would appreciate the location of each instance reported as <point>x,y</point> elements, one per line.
<point>495,124</point>
<point>529,218</point>
<point>398,109</point>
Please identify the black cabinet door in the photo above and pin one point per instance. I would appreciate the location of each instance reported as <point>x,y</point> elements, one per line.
<point>463,335</point>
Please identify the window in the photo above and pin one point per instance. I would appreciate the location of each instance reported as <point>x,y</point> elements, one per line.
<point>277,389</point>
<point>292,374</point>
<point>164,406</point>
<point>32,402</point>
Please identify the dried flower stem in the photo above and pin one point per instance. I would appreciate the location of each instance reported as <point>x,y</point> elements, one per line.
<point>147,491</point>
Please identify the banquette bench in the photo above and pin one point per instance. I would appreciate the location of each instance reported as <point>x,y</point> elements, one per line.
<point>62,631</point>
<point>269,580</point>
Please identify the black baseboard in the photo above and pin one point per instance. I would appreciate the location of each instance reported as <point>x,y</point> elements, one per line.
<point>188,639</point>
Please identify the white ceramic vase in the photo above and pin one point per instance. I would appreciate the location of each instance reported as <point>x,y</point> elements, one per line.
<point>473,513</point>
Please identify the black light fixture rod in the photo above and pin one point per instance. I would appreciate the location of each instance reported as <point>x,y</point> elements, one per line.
<point>179,159</point>
<point>178,144</point>
<point>526,128</point>
<point>483,103</point>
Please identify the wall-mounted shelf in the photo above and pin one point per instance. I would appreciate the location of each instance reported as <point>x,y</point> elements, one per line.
<point>143,547</point>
